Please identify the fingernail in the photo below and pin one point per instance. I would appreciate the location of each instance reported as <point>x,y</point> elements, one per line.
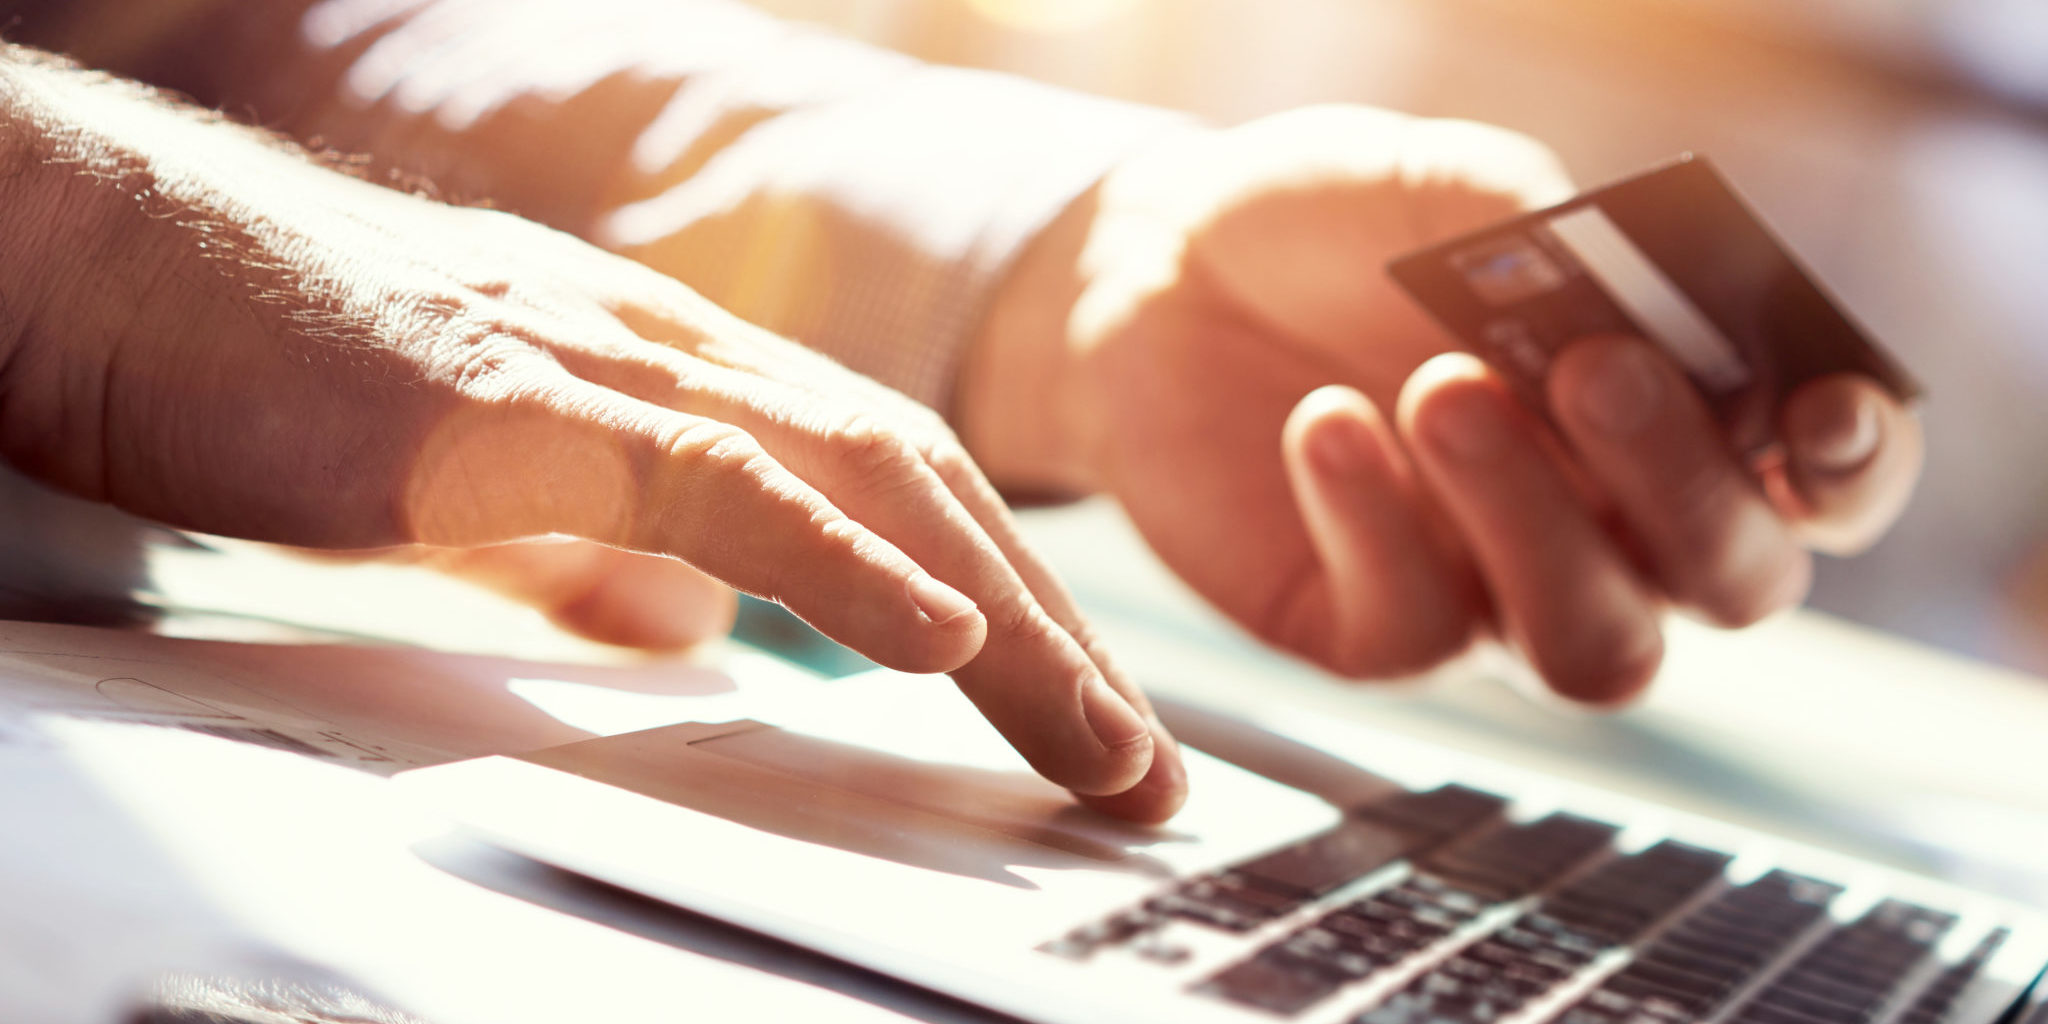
<point>1339,446</point>
<point>1112,718</point>
<point>1622,391</point>
<point>1844,445</point>
<point>939,603</point>
<point>1471,426</point>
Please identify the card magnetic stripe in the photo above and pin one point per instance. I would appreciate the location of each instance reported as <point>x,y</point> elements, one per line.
<point>1651,299</point>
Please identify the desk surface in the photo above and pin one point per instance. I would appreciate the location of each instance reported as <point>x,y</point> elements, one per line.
<point>1806,727</point>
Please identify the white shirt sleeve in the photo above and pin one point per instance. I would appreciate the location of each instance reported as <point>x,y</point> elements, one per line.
<point>859,201</point>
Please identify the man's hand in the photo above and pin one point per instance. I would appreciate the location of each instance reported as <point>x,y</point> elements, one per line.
<point>1211,337</point>
<point>208,329</point>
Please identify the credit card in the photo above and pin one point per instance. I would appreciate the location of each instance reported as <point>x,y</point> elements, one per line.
<point>1672,255</point>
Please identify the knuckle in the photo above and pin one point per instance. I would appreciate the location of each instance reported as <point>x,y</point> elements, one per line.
<point>874,462</point>
<point>863,444</point>
<point>718,445</point>
<point>1025,625</point>
<point>488,360</point>
<point>719,463</point>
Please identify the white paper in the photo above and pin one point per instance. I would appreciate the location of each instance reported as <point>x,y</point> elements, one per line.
<point>380,709</point>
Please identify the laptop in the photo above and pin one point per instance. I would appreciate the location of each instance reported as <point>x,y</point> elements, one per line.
<point>1353,876</point>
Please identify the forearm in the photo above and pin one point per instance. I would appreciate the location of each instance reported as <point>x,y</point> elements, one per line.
<point>296,66</point>
<point>851,198</point>
<point>106,186</point>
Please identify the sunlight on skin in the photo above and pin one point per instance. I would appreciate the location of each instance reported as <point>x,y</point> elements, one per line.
<point>472,454</point>
<point>1242,270</point>
<point>378,369</point>
<point>1198,294</point>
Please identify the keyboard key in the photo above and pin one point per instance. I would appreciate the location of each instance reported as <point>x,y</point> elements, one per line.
<point>1623,898</point>
<point>1177,905</point>
<point>1760,1014</point>
<point>1167,954</point>
<point>1442,812</point>
<point>1331,953</point>
<point>1935,1001</point>
<point>1271,982</point>
<point>1349,943</point>
<point>1223,903</point>
<point>1326,862</point>
<point>1083,942</point>
<point>1697,991</point>
<point>1700,961</point>
<point>1851,973</point>
<point>1513,860</point>
<point>1396,1010</point>
<point>1610,906</point>
<point>1278,883</point>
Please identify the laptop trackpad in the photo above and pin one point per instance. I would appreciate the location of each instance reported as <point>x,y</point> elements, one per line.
<point>963,820</point>
<point>906,771</point>
<point>1011,801</point>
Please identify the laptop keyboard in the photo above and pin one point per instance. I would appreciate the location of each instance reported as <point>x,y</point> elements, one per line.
<point>1461,916</point>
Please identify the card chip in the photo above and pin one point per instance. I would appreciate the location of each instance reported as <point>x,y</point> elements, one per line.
<point>1505,271</point>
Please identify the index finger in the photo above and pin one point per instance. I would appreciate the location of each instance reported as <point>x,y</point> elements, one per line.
<point>1032,678</point>
<point>1163,788</point>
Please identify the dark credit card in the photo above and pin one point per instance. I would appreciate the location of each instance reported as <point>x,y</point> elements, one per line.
<point>1672,255</point>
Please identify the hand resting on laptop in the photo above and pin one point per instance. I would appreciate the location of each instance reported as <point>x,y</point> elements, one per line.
<point>230,338</point>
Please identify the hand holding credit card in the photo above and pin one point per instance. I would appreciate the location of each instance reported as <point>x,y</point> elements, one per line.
<point>1673,256</point>
<point>1314,453</point>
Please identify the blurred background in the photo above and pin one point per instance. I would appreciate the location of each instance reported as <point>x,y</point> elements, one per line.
<point>1901,146</point>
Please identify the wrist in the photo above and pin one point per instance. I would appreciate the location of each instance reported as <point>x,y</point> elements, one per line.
<point>1042,381</point>
<point>1019,406</point>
